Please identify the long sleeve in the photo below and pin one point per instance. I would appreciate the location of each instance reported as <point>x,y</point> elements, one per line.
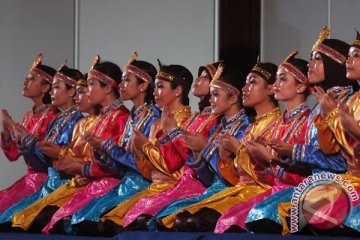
<point>111,127</point>
<point>331,134</point>
<point>208,165</point>
<point>36,123</point>
<point>10,149</point>
<point>164,164</point>
<point>310,155</point>
<point>59,132</point>
<point>121,154</point>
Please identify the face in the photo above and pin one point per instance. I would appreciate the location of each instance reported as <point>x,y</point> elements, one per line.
<point>201,85</point>
<point>316,72</point>
<point>96,92</point>
<point>163,93</point>
<point>82,99</point>
<point>34,85</point>
<point>60,95</point>
<point>219,100</point>
<point>129,87</point>
<point>255,91</point>
<point>353,64</point>
<point>285,86</point>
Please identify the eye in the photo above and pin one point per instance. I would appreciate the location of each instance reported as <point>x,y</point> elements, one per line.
<point>252,80</point>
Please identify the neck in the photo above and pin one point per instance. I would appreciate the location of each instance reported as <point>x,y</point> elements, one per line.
<point>175,106</point>
<point>291,105</point>
<point>139,101</point>
<point>66,106</point>
<point>108,101</point>
<point>264,108</point>
<point>38,101</point>
<point>91,111</point>
<point>234,109</point>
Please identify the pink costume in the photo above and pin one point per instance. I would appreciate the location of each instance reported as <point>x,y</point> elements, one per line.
<point>36,122</point>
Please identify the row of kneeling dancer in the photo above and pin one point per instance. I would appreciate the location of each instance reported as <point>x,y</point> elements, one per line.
<point>96,168</point>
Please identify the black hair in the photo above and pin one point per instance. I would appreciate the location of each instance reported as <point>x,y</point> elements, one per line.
<point>151,70</point>
<point>51,71</point>
<point>182,77</point>
<point>335,73</point>
<point>112,70</point>
<point>72,73</point>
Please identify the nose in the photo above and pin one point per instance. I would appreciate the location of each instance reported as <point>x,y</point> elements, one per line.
<point>245,87</point>
<point>276,83</point>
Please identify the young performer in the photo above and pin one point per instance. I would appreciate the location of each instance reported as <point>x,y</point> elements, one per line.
<point>37,86</point>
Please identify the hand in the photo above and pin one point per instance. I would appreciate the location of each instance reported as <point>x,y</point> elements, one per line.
<point>7,121</point>
<point>258,152</point>
<point>139,140</point>
<point>95,142</point>
<point>282,148</point>
<point>196,142</point>
<point>69,166</point>
<point>168,121</point>
<point>50,149</point>
<point>325,100</point>
<point>348,122</point>
<point>230,143</point>
<point>20,130</point>
<point>224,154</point>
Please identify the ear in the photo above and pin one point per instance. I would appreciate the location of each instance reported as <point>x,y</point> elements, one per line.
<point>45,88</point>
<point>144,86</point>
<point>72,92</point>
<point>108,89</point>
<point>234,99</point>
<point>301,88</point>
<point>178,90</point>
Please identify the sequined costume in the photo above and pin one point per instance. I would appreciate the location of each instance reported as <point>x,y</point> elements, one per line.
<point>110,124</point>
<point>79,150</point>
<point>292,130</point>
<point>207,169</point>
<point>332,137</point>
<point>59,131</point>
<point>242,172</point>
<point>199,122</point>
<point>142,118</point>
<point>36,122</point>
<point>164,170</point>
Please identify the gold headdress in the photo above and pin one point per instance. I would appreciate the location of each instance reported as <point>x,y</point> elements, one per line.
<point>327,50</point>
<point>35,69</point>
<point>293,70</point>
<point>138,72</point>
<point>102,77</point>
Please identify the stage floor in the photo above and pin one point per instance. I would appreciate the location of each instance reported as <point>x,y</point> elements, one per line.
<point>166,236</point>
